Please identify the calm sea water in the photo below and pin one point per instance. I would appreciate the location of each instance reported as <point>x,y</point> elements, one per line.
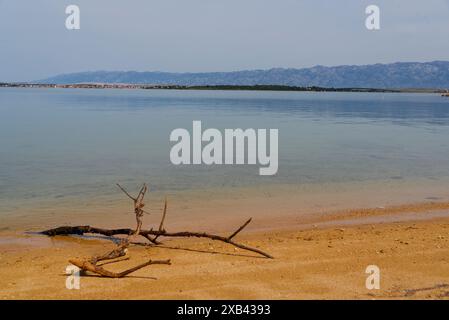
<point>57,143</point>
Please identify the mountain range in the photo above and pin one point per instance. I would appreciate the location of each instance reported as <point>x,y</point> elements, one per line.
<point>394,75</point>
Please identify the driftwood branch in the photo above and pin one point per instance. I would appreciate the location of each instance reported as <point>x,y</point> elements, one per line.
<point>86,265</point>
<point>151,235</point>
<point>80,230</point>
<point>126,192</point>
<point>239,229</point>
<point>161,225</point>
<point>138,204</point>
<point>121,250</point>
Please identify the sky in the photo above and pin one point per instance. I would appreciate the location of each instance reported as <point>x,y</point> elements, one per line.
<point>212,35</point>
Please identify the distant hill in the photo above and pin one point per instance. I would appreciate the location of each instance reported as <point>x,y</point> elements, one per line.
<point>395,75</point>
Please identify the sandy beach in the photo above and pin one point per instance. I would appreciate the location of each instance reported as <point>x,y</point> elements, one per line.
<point>316,255</point>
<point>220,150</point>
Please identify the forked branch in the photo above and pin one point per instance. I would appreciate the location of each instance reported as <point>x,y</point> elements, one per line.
<point>151,235</point>
<point>87,265</point>
<point>80,230</point>
<point>138,204</point>
<point>121,250</point>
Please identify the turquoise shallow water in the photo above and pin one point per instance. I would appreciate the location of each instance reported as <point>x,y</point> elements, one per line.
<point>57,144</point>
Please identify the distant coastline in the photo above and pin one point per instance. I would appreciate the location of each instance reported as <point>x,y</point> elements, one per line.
<point>401,76</point>
<point>421,77</point>
<point>216,87</point>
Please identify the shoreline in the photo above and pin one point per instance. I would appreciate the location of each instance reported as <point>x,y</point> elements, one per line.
<point>223,208</point>
<point>356,217</point>
<point>273,88</point>
<point>323,260</point>
<point>322,243</point>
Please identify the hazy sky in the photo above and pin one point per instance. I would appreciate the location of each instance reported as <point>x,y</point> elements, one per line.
<point>212,35</point>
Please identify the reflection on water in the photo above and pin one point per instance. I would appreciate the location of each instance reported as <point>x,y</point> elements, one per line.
<point>58,143</point>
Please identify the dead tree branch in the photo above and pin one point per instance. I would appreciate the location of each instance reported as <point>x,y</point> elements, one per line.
<point>161,225</point>
<point>239,229</point>
<point>121,250</point>
<point>81,230</point>
<point>151,235</point>
<point>87,265</point>
<point>138,205</point>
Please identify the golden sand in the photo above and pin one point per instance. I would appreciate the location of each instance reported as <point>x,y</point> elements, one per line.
<point>318,257</point>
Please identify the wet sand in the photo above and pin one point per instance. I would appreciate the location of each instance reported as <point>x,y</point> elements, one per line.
<point>320,254</point>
